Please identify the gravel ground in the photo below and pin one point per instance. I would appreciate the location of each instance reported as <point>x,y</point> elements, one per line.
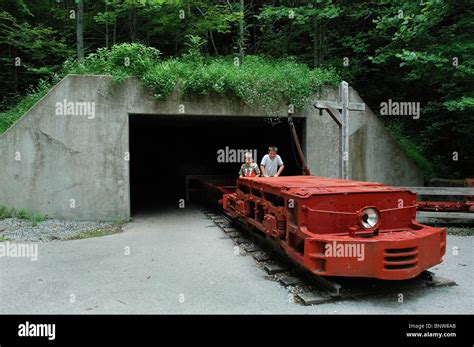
<point>460,230</point>
<point>21,230</point>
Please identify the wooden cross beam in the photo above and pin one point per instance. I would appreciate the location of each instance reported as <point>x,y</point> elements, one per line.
<point>339,111</point>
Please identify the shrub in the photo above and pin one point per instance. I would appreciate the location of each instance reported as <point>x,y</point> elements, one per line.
<point>23,213</point>
<point>258,81</point>
<point>6,212</point>
<point>32,97</point>
<point>36,218</point>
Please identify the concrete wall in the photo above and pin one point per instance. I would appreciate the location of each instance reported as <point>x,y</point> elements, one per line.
<point>74,167</point>
<point>374,154</point>
<point>70,166</point>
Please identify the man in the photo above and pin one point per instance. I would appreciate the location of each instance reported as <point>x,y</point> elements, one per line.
<point>271,165</point>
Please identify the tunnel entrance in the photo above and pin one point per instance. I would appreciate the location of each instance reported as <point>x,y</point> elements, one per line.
<point>166,149</point>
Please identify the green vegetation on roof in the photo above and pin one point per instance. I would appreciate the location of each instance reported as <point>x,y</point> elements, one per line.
<point>258,81</point>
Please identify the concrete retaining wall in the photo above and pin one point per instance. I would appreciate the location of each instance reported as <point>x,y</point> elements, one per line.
<point>76,167</point>
<point>374,154</point>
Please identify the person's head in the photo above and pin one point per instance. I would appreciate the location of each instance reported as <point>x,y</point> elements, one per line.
<point>272,152</point>
<point>248,158</point>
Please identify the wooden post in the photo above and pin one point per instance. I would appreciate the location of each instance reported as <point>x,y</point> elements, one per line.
<point>342,120</point>
<point>344,90</point>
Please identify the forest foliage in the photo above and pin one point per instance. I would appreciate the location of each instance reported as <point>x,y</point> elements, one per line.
<point>408,51</point>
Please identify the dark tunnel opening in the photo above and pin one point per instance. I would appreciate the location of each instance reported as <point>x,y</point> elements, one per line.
<point>165,149</point>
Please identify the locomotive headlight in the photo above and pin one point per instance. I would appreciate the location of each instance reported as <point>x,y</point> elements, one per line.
<point>369,217</point>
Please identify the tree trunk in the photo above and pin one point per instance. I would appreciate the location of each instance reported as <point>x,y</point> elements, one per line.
<point>15,70</point>
<point>80,29</point>
<point>106,27</point>
<point>241,31</point>
<point>132,19</point>
<point>114,34</point>
<point>213,43</point>
<point>316,46</point>
<point>322,50</point>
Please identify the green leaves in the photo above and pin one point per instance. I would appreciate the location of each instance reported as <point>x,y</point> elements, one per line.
<point>409,50</point>
<point>259,82</point>
<point>426,54</point>
<point>10,116</point>
<point>465,103</point>
<point>35,218</point>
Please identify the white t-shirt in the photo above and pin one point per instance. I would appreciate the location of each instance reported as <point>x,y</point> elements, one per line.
<point>271,166</point>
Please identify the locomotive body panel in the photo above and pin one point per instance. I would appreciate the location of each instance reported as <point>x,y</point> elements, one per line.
<point>336,227</point>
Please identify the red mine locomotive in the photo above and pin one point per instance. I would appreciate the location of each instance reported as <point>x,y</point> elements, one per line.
<point>335,227</point>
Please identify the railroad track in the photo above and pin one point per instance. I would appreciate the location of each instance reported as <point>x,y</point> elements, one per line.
<point>304,288</point>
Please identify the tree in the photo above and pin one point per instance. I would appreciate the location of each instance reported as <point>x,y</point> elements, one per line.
<point>80,29</point>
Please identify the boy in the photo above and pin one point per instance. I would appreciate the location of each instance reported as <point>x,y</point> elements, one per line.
<point>249,168</point>
<point>271,164</point>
